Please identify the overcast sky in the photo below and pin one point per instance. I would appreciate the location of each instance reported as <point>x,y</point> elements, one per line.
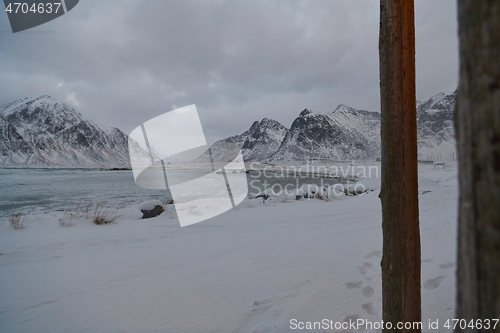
<point>123,62</point>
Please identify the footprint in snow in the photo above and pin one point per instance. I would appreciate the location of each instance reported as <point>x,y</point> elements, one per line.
<point>364,269</point>
<point>433,283</point>
<point>368,291</point>
<point>448,265</point>
<point>353,285</point>
<point>369,308</point>
<point>374,254</point>
<point>367,271</point>
<point>350,318</point>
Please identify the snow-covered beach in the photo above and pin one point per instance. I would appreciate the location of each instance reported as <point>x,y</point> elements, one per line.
<point>255,268</point>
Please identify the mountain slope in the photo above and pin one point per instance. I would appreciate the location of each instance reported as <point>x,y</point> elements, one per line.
<point>345,134</point>
<point>261,140</point>
<point>41,132</point>
<point>436,134</point>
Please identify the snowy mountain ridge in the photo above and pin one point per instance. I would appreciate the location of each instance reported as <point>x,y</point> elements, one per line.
<point>262,139</point>
<point>436,134</point>
<point>349,134</point>
<point>344,134</point>
<point>41,132</point>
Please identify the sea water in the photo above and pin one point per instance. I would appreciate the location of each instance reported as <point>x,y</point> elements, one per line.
<point>36,191</point>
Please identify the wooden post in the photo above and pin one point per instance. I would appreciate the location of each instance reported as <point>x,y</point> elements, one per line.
<point>477,124</point>
<point>399,188</point>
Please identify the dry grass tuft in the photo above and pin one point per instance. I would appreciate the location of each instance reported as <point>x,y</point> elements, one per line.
<point>20,220</point>
<point>74,213</point>
<point>319,196</point>
<point>99,214</point>
<point>15,221</point>
<point>103,214</point>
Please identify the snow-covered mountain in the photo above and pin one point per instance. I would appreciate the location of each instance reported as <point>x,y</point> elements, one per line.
<point>348,134</point>
<point>345,134</point>
<point>41,132</point>
<point>261,140</point>
<point>436,134</point>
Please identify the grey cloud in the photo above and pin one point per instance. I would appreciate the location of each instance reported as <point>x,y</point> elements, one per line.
<point>123,62</point>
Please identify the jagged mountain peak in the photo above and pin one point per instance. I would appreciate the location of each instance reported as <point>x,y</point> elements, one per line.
<point>343,134</point>
<point>261,140</point>
<point>439,102</point>
<point>436,135</point>
<point>308,115</point>
<point>43,132</point>
<point>305,112</point>
<point>32,104</point>
<point>343,110</point>
<point>254,125</point>
<point>436,98</point>
<point>446,103</point>
<point>265,123</point>
<point>269,123</point>
<point>342,107</point>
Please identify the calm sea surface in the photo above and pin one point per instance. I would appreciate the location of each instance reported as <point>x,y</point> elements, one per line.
<point>43,190</point>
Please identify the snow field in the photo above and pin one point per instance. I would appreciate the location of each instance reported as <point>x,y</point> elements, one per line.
<point>251,269</point>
